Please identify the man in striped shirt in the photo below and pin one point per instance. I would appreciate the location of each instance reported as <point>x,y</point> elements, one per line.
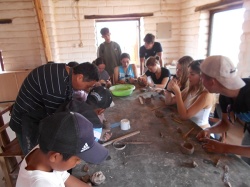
<point>41,93</point>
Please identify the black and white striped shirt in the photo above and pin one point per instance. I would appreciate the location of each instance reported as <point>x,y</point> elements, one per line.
<point>44,89</point>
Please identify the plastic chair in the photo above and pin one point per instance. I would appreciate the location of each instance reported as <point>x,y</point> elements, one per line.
<point>9,149</point>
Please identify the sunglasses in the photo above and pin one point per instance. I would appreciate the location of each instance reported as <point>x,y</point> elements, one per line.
<point>230,114</point>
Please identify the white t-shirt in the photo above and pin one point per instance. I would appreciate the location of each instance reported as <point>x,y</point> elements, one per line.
<point>37,178</point>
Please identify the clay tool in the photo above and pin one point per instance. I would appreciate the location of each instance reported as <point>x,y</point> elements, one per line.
<point>226,176</point>
<point>121,138</point>
<point>135,143</point>
<point>176,120</point>
<point>141,100</point>
<point>186,135</point>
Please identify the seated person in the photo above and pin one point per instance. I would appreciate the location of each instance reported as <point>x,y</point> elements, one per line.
<point>182,71</point>
<point>194,102</point>
<point>104,78</point>
<point>65,139</point>
<point>159,75</point>
<point>126,73</point>
<point>98,99</point>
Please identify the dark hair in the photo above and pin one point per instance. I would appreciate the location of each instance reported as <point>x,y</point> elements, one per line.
<point>151,61</point>
<point>104,31</point>
<point>125,55</point>
<point>50,62</point>
<point>99,61</point>
<point>149,38</point>
<point>72,64</point>
<point>195,66</point>
<point>184,63</point>
<point>45,150</point>
<point>88,70</point>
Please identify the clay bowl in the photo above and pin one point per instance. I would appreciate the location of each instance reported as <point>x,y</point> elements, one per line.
<point>159,114</point>
<point>119,145</point>
<point>187,148</point>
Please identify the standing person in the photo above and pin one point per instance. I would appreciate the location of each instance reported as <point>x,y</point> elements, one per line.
<point>194,102</point>
<point>65,139</point>
<point>42,92</point>
<point>220,76</point>
<point>110,51</point>
<point>150,48</point>
<point>126,73</point>
<point>156,76</point>
<point>103,74</point>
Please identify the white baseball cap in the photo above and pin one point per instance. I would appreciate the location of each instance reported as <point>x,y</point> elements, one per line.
<point>222,69</point>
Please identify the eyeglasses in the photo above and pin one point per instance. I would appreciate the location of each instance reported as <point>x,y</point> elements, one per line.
<point>230,114</point>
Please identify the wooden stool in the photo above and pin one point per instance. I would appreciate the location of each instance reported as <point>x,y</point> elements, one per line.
<point>9,149</point>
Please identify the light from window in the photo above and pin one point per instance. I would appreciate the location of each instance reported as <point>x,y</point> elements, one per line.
<point>226,33</point>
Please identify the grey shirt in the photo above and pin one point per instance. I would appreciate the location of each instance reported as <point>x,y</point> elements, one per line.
<point>111,52</point>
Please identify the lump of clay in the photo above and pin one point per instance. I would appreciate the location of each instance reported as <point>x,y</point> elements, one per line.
<point>148,100</point>
<point>97,178</point>
<point>187,148</point>
<point>159,114</point>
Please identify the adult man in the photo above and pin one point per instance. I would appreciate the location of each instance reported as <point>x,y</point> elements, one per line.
<point>220,76</point>
<point>110,51</point>
<point>150,48</point>
<point>41,93</point>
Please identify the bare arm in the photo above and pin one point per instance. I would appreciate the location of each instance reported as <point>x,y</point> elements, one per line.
<point>133,80</point>
<point>142,63</point>
<point>218,147</point>
<point>162,85</point>
<point>203,101</point>
<point>220,127</point>
<point>169,98</point>
<point>116,75</point>
<point>75,182</point>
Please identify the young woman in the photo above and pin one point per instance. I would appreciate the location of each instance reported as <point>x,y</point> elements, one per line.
<point>194,102</point>
<point>156,73</point>
<point>126,73</point>
<point>182,71</point>
<point>103,74</point>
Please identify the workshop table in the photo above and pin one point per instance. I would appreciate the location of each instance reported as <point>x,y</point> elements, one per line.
<point>161,163</point>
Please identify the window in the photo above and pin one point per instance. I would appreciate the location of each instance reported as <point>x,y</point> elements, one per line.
<point>125,33</point>
<point>225,32</point>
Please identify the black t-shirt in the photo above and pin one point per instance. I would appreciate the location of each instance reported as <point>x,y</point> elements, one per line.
<point>241,105</point>
<point>144,53</point>
<point>164,73</point>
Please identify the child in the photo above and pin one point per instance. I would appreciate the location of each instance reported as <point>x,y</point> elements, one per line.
<point>98,99</point>
<point>103,74</point>
<point>65,138</point>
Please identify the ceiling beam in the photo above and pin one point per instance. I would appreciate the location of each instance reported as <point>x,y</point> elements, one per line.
<point>43,29</point>
<point>119,16</point>
<point>218,4</point>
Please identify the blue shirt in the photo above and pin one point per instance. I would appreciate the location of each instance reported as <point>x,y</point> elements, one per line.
<point>126,75</point>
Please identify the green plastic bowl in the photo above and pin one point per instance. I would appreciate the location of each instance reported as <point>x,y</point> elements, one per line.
<point>122,89</point>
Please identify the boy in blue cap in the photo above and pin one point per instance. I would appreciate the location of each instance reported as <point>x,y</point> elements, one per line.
<point>65,138</point>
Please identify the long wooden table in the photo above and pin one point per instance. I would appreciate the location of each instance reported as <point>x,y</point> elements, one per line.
<point>161,163</point>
